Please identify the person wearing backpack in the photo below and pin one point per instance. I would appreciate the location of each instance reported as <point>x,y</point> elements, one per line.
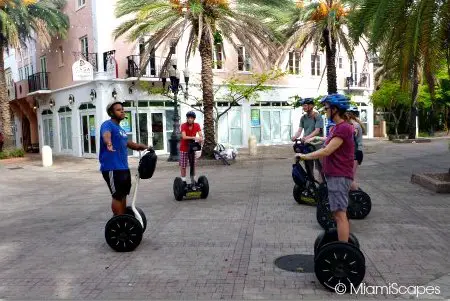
<point>311,124</point>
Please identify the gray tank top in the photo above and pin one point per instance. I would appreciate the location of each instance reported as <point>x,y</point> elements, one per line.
<point>359,143</point>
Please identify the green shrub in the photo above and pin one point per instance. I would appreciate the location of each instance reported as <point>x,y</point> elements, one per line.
<point>15,153</point>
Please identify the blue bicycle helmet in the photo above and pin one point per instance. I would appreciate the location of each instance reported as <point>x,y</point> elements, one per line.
<point>354,110</point>
<point>337,100</point>
<point>307,101</point>
<point>190,114</point>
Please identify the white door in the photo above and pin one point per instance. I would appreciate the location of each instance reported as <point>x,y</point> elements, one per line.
<point>88,134</point>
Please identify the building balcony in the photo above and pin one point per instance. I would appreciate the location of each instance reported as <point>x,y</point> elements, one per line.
<point>134,70</point>
<point>38,82</point>
<point>92,58</point>
<point>22,89</point>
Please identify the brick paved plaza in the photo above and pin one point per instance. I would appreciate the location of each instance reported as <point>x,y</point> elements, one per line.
<point>53,247</point>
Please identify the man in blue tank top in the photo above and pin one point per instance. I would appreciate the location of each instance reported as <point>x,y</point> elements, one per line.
<point>113,157</point>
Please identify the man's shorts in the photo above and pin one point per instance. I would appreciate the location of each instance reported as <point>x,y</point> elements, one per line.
<point>119,183</point>
<point>338,189</point>
<point>359,156</point>
<point>184,159</point>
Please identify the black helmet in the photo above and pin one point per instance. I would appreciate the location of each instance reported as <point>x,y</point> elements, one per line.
<point>147,165</point>
<point>190,114</point>
<point>307,101</point>
<point>110,106</point>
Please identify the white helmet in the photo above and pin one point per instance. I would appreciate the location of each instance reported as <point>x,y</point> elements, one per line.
<point>111,105</point>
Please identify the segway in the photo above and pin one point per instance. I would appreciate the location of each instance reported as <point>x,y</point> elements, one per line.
<point>338,265</point>
<point>359,206</point>
<point>124,232</point>
<point>309,191</point>
<point>306,186</point>
<point>196,189</point>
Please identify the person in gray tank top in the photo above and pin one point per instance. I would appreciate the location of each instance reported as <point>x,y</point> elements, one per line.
<point>353,114</point>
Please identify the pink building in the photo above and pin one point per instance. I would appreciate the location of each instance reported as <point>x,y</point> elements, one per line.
<point>69,112</point>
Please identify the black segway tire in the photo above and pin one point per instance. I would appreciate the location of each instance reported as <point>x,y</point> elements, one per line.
<point>144,218</point>
<point>297,193</point>
<point>324,215</point>
<point>330,236</point>
<point>360,204</point>
<point>178,189</point>
<point>123,233</point>
<point>203,181</point>
<point>338,265</point>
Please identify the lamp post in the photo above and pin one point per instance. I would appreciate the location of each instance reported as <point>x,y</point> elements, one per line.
<point>175,87</point>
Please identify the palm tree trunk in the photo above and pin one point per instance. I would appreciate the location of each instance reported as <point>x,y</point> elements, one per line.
<point>330,48</point>
<point>414,94</point>
<point>205,49</point>
<point>5,114</point>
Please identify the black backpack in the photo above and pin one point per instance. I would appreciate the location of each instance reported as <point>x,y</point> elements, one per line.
<point>147,165</point>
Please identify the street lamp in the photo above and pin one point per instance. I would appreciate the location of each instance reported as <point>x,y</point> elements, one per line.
<point>175,87</point>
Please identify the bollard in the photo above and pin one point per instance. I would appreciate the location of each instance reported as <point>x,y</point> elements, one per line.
<point>47,157</point>
<point>252,147</point>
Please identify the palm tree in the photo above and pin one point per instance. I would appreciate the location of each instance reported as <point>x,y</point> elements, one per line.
<point>413,33</point>
<point>205,23</point>
<point>22,20</point>
<point>322,23</point>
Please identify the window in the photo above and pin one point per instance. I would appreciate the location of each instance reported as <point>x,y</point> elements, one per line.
<point>294,62</point>
<point>27,71</point>
<point>81,3</point>
<point>340,63</point>
<point>84,47</point>
<point>21,74</point>
<point>315,65</point>
<point>218,57</point>
<point>43,64</point>
<point>355,78</point>
<point>60,56</point>
<point>244,62</point>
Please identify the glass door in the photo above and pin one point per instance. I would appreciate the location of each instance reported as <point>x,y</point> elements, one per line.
<point>48,131</point>
<point>88,134</point>
<point>158,131</point>
<point>169,127</point>
<point>65,123</point>
<point>265,126</point>
<point>275,126</point>
<point>271,126</point>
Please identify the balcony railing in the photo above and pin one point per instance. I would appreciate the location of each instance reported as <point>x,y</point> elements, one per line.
<point>362,81</point>
<point>134,67</point>
<point>38,81</point>
<point>92,58</point>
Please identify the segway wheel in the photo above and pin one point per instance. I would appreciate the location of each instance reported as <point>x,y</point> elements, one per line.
<point>324,215</point>
<point>331,236</point>
<point>297,193</point>
<point>144,218</point>
<point>359,205</point>
<point>178,189</point>
<point>204,184</point>
<point>340,263</point>
<point>123,233</point>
